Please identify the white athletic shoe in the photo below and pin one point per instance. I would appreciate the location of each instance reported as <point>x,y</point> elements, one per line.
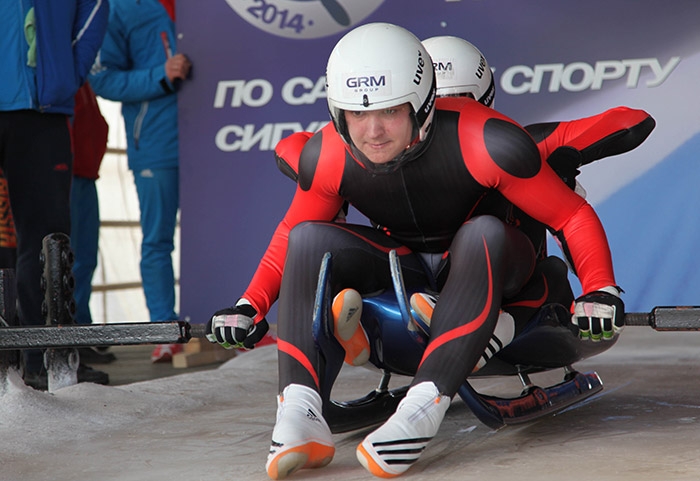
<point>393,448</point>
<point>347,311</point>
<point>301,438</point>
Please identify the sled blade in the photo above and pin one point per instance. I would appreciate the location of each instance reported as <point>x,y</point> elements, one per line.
<point>536,402</point>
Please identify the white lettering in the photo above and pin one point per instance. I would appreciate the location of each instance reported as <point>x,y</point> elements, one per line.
<point>244,137</point>
<point>580,76</point>
<point>221,140</point>
<point>567,77</point>
<point>311,92</point>
<point>557,70</point>
<point>607,70</point>
<point>662,73</point>
<point>243,92</point>
<point>221,89</point>
<point>635,67</point>
<point>237,138</point>
<point>279,129</point>
<point>508,80</point>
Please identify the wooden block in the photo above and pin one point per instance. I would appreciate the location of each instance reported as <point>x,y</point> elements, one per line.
<point>199,345</point>
<point>208,356</point>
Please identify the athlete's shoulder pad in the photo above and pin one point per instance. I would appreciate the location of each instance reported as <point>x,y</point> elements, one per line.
<point>511,148</point>
<point>288,151</point>
<point>309,160</point>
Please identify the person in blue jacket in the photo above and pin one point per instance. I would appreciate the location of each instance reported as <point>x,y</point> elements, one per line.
<point>48,48</point>
<point>139,67</point>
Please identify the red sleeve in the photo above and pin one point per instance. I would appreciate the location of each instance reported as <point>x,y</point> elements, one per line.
<point>501,155</point>
<point>612,132</point>
<point>320,202</point>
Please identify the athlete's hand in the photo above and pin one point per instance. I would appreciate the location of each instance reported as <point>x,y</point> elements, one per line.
<point>599,314</point>
<point>234,327</point>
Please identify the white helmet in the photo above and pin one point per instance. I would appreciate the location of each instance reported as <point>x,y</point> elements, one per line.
<point>460,68</point>
<point>377,66</point>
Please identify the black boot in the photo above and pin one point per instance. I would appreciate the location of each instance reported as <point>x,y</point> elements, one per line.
<point>90,355</point>
<point>88,374</point>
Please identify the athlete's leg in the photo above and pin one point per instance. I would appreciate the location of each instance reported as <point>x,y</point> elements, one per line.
<point>488,260</point>
<point>360,261</point>
<point>549,284</point>
<point>301,438</point>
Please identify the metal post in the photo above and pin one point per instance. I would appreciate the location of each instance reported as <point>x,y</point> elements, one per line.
<point>59,307</point>
<point>9,360</point>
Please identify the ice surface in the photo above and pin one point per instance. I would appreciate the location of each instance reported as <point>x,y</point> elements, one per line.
<point>216,425</point>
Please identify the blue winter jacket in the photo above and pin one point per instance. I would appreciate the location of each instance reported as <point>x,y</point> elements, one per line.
<point>130,68</point>
<point>68,36</point>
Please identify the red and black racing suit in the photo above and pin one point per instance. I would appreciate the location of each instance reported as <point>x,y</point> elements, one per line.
<point>426,206</point>
<point>566,146</point>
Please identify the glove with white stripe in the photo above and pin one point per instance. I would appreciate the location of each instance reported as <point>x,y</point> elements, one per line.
<point>599,314</point>
<point>234,327</point>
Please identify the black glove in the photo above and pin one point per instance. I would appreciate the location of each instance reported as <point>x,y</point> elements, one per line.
<point>599,314</point>
<point>234,327</point>
<point>565,162</point>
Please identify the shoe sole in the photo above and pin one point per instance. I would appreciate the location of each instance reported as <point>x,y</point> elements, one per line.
<point>307,456</point>
<point>424,309</point>
<point>347,311</point>
<point>371,464</point>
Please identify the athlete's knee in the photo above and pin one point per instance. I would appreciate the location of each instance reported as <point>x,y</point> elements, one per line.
<point>479,230</point>
<point>306,234</point>
<point>301,231</point>
<point>480,240</point>
<point>507,247</point>
<point>554,267</point>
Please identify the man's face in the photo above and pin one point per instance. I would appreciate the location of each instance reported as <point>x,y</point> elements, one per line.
<point>381,135</point>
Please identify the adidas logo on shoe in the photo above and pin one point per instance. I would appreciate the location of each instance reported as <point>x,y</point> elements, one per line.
<point>301,438</point>
<point>501,337</point>
<point>423,304</point>
<point>393,448</point>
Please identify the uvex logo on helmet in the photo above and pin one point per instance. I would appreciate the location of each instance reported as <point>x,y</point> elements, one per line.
<point>418,76</point>
<point>481,68</point>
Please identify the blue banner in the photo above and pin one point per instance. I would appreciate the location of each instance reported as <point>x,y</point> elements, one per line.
<point>258,75</point>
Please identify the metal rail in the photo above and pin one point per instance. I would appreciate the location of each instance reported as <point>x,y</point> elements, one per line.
<point>75,335</point>
<point>667,318</point>
<point>678,318</point>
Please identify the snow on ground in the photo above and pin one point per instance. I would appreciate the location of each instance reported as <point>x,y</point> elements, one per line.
<point>216,425</point>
